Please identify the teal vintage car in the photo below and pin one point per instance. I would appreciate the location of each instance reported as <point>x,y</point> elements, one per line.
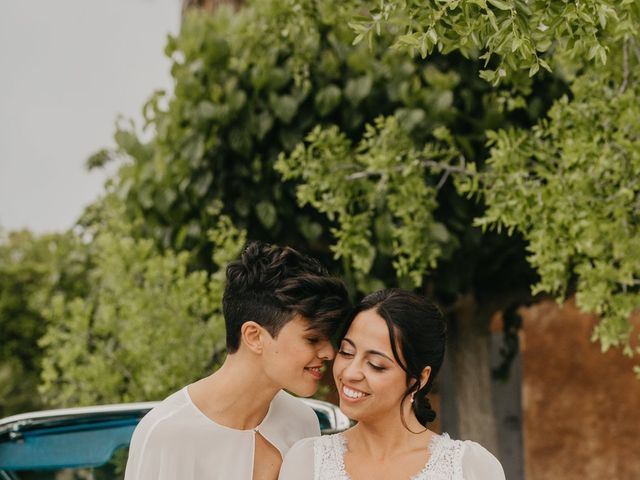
<point>91,442</point>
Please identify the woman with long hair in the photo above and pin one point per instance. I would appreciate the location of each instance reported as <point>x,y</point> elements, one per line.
<point>388,358</point>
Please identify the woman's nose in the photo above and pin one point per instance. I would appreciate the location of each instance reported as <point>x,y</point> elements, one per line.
<point>352,371</point>
<point>326,351</point>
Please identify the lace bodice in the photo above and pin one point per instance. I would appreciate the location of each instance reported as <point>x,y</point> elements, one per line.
<point>322,458</point>
<point>445,459</point>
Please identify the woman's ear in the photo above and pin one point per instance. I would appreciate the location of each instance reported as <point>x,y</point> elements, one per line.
<point>424,376</point>
<point>252,335</point>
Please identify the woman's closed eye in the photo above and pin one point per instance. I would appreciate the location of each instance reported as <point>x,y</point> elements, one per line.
<point>345,353</point>
<point>377,368</point>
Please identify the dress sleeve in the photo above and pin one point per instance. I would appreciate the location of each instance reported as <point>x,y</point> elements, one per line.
<point>133,467</point>
<point>298,463</point>
<point>479,464</point>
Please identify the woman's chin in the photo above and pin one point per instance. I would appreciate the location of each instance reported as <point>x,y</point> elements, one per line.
<point>351,411</point>
<point>302,390</point>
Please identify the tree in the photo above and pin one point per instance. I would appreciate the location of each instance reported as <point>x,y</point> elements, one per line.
<point>33,269</point>
<point>445,173</point>
<point>145,326</point>
<point>250,85</point>
<point>576,197</point>
<point>208,5</point>
<point>568,184</point>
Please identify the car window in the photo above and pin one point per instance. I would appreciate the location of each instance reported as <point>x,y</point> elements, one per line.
<point>112,470</point>
<point>324,419</point>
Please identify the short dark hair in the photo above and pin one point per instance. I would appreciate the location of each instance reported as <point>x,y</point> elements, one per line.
<point>419,327</point>
<point>269,284</point>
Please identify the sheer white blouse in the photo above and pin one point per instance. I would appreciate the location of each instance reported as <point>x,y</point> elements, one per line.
<point>322,458</point>
<point>176,440</point>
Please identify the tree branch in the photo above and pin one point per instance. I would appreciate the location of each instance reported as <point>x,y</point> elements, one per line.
<point>208,5</point>
<point>625,66</point>
<point>447,168</point>
<point>450,168</point>
<point>443,179</point>
<point>636,49</point>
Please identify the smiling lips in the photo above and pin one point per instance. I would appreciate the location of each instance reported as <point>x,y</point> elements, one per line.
<point>352,395</point>
<point>315,371</point>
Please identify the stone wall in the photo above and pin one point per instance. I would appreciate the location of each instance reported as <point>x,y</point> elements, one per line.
<point>581,408</point>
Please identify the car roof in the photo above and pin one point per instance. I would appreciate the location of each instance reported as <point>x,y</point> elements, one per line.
<point>89,436</point>
<point>23,421</point>
<point>41,417</point>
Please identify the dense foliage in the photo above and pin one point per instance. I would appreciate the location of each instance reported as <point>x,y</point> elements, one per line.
<point>250,86</point>
<point>146,325</point>
<point>33,270</point>
<point>569,184</point>
<point>477,146</point>
<point>508,35</point>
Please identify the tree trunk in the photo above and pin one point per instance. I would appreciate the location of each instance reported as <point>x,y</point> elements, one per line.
<point>470,370</point>
<point>208,5</point>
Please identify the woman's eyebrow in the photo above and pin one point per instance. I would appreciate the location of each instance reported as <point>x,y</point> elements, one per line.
<point>375,352</point>
<point>350,342</point>
<point>312,330</point>
<point>371,352</point>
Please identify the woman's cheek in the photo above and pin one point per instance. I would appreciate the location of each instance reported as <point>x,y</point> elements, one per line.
<point>337,368</point>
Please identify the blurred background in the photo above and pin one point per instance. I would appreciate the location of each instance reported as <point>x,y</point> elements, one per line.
<point>70,68</point>
<point>483,153</point>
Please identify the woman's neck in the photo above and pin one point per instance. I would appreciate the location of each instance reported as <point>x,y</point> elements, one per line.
<point>237,395</point>
<point>386,437</point>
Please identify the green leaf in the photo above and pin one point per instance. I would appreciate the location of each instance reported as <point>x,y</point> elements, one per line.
<point>284,107</point>
<point>206,109</point>
<point>500,4</point>
<point>99,159</point>
<point>267,214</point>
<point>358,89</point>
<point>263,124</point>
<point>327,99</point>
<point>410,39</point>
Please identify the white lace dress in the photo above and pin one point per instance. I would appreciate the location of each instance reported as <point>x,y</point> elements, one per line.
<point>322,458</point>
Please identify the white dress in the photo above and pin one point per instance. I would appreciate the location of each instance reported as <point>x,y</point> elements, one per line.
<point>176,441</point>
<point>322,458</point>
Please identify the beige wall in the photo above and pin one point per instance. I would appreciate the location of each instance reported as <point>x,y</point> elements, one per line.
<point>581,408</point>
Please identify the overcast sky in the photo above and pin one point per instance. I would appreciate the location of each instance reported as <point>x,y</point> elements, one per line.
<point>67,69</point>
